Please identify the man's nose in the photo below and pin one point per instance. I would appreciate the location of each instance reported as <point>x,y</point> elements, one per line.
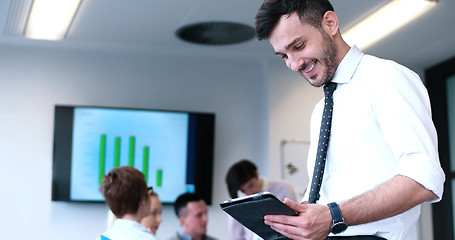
<point>294,63</point>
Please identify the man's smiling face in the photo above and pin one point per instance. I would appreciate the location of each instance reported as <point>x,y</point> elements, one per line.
<point>307,50</point>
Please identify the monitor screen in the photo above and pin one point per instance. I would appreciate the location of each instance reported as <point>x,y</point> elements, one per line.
<point>173,149</point>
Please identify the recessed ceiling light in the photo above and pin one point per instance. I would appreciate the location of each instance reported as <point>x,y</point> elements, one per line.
<point>50,19</point>
<point>216,33</point>
<point>386,20</point>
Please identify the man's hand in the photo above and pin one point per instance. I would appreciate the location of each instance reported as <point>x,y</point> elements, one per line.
<point>313,222</point>
<point>393,197</point>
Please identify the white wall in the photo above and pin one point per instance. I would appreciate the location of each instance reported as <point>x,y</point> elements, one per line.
<point>291,101</point>
<point>32,81</point>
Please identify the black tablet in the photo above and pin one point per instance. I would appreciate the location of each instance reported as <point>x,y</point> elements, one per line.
<point>250,211</point>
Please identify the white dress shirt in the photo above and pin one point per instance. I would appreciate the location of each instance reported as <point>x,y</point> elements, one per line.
<point>381,127</point>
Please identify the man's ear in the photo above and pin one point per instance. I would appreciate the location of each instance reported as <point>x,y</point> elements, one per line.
<point>182,220</point>
<point>330,23</point>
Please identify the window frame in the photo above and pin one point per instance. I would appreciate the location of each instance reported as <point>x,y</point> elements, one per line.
<point>442,212</point>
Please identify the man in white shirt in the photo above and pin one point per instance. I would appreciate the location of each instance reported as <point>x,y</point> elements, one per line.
<point>382,158</point>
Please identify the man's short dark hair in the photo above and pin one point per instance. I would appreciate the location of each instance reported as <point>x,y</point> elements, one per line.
<point>123,189</point>
<point>240,173</point>
<point>270,12</point>
<point>183,200</point>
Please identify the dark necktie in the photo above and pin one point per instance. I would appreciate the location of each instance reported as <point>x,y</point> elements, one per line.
<point>323,142</point>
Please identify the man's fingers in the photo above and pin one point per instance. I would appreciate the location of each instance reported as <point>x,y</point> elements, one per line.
<point>297,207</point>
<point>290,231</point>
<point>283,219</point>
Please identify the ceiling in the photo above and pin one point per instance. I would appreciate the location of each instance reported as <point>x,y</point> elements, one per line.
<point>149,26</point>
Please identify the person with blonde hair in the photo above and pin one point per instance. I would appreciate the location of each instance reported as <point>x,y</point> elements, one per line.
<point>153,221</point>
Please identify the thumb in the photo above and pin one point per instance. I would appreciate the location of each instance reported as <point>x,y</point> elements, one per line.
<point>297,207</point>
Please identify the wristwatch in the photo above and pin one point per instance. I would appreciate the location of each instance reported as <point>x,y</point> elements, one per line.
<point>338,225</point>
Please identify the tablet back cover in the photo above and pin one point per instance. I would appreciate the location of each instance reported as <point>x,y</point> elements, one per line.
<point>250,212</point>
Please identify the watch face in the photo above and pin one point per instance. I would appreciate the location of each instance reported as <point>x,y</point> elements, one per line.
<point>339,227</point>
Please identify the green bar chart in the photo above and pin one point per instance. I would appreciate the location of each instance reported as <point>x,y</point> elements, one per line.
<point>102,159</point>
<point>129,159</point>
<point>145,162</point>
<point>159,177</point>
<point>117,152</point>
<point>131,151</point>
<point>155,143</point>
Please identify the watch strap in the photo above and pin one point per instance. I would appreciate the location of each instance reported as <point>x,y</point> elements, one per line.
<point>338,224</point>
<point>336,212</point>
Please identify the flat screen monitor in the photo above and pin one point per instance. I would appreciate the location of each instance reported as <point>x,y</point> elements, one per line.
<point>173,149</point>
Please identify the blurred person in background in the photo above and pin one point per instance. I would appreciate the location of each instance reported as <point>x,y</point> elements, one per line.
<point>243,179</point>
<point>153,221</point>
<point>125,192</point>
<point>191,210</point>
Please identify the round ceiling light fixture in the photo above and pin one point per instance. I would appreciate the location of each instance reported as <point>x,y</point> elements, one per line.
<point>216,33</point>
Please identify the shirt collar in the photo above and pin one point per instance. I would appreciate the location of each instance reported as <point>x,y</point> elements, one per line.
<point>185,236</point>
<point>348,65</point>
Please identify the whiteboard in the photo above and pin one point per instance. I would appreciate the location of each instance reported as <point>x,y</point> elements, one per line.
<point>294,164</point>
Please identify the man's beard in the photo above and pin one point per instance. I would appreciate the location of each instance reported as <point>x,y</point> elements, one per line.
<point>329,60</point>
